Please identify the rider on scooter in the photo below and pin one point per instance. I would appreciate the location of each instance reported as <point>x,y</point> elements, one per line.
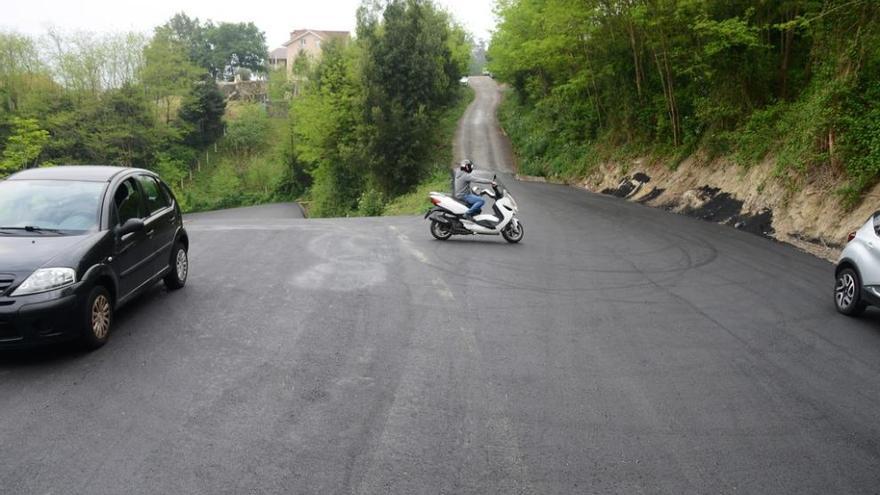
<point>462,188</point>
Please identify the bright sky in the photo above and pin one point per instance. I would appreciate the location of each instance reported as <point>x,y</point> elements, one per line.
<point>276,18</point>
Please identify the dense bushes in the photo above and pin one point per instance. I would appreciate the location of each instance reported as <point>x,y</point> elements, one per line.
<point>747,78</point>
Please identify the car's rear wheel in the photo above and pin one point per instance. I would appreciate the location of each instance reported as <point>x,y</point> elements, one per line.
<point>848,293</point>
<point>176,278</point>
<point>98,318</point>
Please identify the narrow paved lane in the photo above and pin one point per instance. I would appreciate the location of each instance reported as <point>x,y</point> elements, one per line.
<point>479,137</point>
<point>617,349</point>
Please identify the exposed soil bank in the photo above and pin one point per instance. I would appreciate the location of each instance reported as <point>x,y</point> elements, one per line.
<point>810,217</point>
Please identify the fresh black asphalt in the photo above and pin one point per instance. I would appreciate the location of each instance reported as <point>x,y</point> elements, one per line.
<point>617,349</point>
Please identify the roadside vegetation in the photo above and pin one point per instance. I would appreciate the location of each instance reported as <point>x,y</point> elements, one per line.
<point>366,123</point>
<point>132,100</point>
<point>440,178</point>
<point>797,82</point>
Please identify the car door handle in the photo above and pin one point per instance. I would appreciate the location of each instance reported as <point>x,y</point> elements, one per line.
<point>151,232</point>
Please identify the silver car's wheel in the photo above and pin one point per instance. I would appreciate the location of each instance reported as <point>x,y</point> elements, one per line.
<point>179,265</point>
<point>847,293</point>
<point>98,318</point>
<point>101,317</point>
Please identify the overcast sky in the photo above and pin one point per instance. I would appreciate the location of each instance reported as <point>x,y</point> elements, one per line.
<point>276,18</point>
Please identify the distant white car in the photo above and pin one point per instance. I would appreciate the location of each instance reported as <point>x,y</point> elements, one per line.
<point>464,80</point>
<point>857,275</point>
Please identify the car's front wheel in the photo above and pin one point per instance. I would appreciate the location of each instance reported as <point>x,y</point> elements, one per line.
<point>848,293</point>
<point>98,318</point>
<point>176,278</point>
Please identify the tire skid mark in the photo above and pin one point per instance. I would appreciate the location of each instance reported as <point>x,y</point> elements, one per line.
<point>436,281</point>
<point>445,408</point>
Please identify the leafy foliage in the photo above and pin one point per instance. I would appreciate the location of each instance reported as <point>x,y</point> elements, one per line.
<point>365,124</point>
<point>362,125</point>
<point>249,131</point>
<point>221,49</point>
<point>203,110</point>
<point>23,146</point>
<point>741,77</point>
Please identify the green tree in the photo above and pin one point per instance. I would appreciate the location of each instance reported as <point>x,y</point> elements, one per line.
<point>409,73</point>
<point>191,35</point>
<point>236,46</point>
<point>20,68</point>
<point>248,133</point>
<point>168,73</point>
<point>746,77</point>
<point>88,63</point>
<point>202,111</point>
<point>327,133</point>
<point>24,146</point>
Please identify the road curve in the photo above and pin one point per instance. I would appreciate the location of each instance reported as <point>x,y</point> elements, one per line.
<point>617,349</point>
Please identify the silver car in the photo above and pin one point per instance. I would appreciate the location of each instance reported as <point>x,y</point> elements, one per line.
<point>857,273</point>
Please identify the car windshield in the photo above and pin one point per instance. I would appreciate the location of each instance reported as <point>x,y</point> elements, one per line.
<point>56,206</point>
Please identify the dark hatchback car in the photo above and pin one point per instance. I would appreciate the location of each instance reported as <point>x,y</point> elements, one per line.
<point>76,243</point>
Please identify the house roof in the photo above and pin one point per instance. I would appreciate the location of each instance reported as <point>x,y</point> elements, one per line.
<point>278,53</point>
<point>322,35</point>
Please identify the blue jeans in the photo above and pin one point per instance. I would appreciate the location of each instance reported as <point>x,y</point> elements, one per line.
<point>475,202</point>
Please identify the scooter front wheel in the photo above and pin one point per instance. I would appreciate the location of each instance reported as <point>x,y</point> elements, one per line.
<point>441,231</point>
<point>513,234</point>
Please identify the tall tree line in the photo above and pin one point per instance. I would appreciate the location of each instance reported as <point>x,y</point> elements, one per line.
<point>795,78</point>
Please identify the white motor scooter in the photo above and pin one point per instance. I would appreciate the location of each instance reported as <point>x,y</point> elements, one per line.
<point>447,216</point>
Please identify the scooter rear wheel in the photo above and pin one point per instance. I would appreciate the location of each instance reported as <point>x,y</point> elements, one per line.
<point>441,231</point>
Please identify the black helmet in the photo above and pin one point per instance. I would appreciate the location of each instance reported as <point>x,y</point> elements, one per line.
<point>467,165</point>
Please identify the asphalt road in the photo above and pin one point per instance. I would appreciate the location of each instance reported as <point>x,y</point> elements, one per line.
<point>617,349</point>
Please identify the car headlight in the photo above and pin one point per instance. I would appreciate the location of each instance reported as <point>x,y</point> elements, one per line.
<point>46,279</point>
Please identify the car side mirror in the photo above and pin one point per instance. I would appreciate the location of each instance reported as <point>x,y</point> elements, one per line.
<point>130,225</point>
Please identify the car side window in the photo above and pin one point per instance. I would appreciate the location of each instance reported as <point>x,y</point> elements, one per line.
<point>128,201</point>
<point>166,192</point>
<point>877,223</point>
<point>156,199</point>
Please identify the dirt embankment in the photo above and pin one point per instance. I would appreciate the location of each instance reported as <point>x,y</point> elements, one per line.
<point>810,217</point>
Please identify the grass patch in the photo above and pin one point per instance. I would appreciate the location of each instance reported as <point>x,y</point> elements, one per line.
<point>228,178</point>
<point>417,201</point>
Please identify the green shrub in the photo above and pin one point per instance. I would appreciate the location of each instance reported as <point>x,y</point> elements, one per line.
<point>371,203</point>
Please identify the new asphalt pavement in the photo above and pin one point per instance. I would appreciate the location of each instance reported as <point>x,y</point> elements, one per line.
<point>617,349</point>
